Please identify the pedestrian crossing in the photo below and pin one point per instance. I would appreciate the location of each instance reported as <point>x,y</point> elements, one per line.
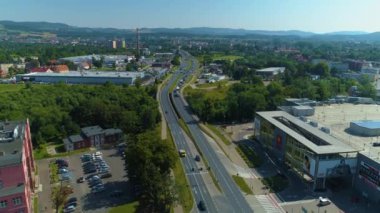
<point>268,206</point>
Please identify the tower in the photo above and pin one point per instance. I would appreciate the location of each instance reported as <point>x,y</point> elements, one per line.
<point>137,44</point>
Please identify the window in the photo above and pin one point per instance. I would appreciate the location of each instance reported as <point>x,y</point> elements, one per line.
<point>17,201</point>
<point>3,204</point>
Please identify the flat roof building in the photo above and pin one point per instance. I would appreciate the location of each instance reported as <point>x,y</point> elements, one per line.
<point>270,72</point>
<point>85,77</point>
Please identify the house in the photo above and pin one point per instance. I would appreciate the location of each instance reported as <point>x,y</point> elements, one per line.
<point>270,72</point>
<point>60,68</point>
<point>92,136</point>
<point>17,167</point>
<point>41,69</point>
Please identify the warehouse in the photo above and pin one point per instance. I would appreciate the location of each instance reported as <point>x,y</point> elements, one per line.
<point>83,77</point>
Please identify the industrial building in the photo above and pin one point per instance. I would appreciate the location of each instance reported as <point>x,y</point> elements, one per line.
<point>337,141</point>
<point>17,168</point>
<point>84,77</point>
<point>270,72</point>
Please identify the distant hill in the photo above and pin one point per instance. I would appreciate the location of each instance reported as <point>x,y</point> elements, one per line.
<point>65,30</point>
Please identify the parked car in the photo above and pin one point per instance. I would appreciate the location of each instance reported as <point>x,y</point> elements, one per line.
<point>80,180</point>
<point>106,175</point>
<point>62,171</point>
<point>69,209</point>
<point>95,177</point>
<point>71,200</point>
<point>197,158</point>
<point>323,201</point>
<point>90,171</point>
<point>64,177</point>
<point>61,163</point>
<point>94,183</point>
<point>70,204</point>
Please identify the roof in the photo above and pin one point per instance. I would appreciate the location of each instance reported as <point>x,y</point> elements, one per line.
<point>75,138</point>
<point>368,124</point>
<point>272,69</point>
<point>11,142</point>
<point>112,131</point>
<point>92,130</point>
<point>40,69</point>
<point>12,190</point>
<point>334,145</point>
<point>60,68</point>
<point>94,74</point>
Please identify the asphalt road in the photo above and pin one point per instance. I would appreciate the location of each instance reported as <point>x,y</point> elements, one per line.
<point>198,186</point>
<point>229,188</point>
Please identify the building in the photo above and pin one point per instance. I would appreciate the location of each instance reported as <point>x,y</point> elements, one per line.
<point>270,73</point>
<point>338,143</point>
<point>93,136</point>
<point>84,77</point>
<point>17,167</point>
<point>41,69</point>
<point>314,154</point>
<point>60,68</point>
<point>113,44</point>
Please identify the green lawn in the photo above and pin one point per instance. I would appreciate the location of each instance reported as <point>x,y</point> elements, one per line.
<point>11,87</point>
<point>242,184</point>
<point>126,208</point>
<point>184,192</point>
<point>275,183</point>
<point>218,133</point>
<point>226,57</point>
<point>249,155</point>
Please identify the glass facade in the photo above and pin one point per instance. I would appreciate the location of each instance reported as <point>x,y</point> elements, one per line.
<point>266,134</point>
<point>297,155</point>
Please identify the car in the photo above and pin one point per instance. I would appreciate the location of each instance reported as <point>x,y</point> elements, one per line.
<point>197,158</point>
<point>166,112</point>
<point>62,171</point>
<point>106,175</point>
<point>72,200</point>
<point>64,177</point>
<point>95,177</point>
<point>80,180</point>
<point>90,171</point>
<point>98,153</point>
<point>71,204</point>
<point>376,144</point>
<point>69,209</point>
<point>323,201</point>
<point>202,205</point>
<point>94,183</point>
<point>61,162</point>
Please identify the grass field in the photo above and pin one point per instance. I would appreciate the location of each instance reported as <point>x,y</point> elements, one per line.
<point>242,184</point>
<point>218,133</point>
<point>276,183</point>
<point>126,208</point>
<point>11,87</point>
<point>225,57</point>
<point>249,155</point>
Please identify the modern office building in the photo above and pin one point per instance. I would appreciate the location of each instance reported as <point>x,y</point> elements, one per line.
<point>84,77</point>
<point>16,167</point>
<point>338,142</point>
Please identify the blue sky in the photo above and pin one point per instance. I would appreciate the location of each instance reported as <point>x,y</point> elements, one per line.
<point>307,15</point>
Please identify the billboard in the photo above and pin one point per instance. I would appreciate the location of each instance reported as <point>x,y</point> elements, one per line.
<point>337,167</point>
<point>370,174</point>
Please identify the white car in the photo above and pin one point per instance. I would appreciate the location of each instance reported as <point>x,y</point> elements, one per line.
<point>69,209</point>
<point>323,201</point>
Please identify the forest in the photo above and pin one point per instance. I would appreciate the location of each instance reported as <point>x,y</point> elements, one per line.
<point>56,111</point>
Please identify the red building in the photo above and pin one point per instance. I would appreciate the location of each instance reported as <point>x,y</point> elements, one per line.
<point>16,167</point>
<point>92,136</point>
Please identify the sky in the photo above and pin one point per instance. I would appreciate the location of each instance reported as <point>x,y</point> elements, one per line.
<point>318,16</point>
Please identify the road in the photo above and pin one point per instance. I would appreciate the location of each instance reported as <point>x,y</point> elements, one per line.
<point>198,186</point>
<point>229,188</point>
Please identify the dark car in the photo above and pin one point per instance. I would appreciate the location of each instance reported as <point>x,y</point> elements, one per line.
<point>197,158</point>
<point>94,183</point>
<point>71,200</point>
<point>202,205</point>
<point>106,175</point>
<point>80,180</point>
<point>90,171</point>
<point>375,144</point>
<point>61,163</point>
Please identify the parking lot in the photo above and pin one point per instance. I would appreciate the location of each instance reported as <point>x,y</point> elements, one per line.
<point>90,201</point>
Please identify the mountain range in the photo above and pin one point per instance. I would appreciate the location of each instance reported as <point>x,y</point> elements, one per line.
<point>64,30</point>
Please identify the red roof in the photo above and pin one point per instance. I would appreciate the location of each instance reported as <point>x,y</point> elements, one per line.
<point>40,69</point>
<point>60,68</point>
